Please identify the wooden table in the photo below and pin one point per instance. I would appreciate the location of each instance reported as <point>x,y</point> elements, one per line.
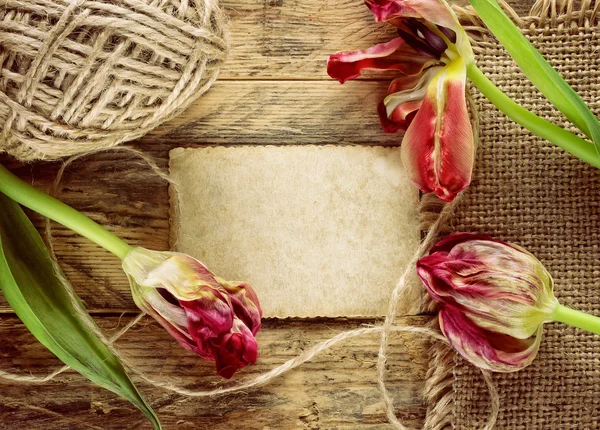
<point>274,90</point>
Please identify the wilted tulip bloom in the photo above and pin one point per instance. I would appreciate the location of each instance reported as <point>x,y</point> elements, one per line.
<point>432,52</point>
<point>214,318</point>
<point>493,298</point>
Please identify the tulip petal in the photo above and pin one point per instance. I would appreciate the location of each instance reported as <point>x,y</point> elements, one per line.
<point>438,147</point>
<point>479,261</point>
<point>448,242</point>
<point>400,118</point>
<point>501,287</point>
<point>180,334</point>
<point>211,310</point>
<point>405,96</point>
<point>486,349</point>
<point>245,304</point>
<point>437,12</point>
<point>239,348</point>
<point>387,10</point>
<point>182,275</point>
<point>171,317</point>
<point>393,55</point>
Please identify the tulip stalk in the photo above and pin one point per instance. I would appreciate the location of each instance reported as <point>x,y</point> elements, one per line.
<point>576,318</point>
<point>560,137</point>
<point>46,205</point>
<point>550,83</point>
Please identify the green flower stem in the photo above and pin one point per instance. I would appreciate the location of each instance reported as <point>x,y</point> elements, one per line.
<point>580,148</point>
<point>52,208</point>
<point>577,319</point>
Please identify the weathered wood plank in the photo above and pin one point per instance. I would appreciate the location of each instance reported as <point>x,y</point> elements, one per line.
<point>279,113</point>
<point>335,390</point>
<point>292,39</point>
<point>120,192</point>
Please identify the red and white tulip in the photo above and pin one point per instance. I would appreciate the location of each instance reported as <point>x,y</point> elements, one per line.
<point>493,298</point>
<point>216,319</point>
<point>432,52</point>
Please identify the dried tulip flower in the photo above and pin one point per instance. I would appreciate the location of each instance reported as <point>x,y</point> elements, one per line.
<point>493,299</point>
<point>433,57</point>
<point>432,51</point>
<point>216,319</point>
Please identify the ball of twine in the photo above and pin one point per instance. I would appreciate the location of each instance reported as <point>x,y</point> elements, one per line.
<point>79,75</point>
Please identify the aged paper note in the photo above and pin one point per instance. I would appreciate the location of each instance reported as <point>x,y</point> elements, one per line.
<point>317,230</point>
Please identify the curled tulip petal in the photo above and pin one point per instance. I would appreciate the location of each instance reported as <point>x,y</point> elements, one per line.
<point>183,276</point>
<point>241,296</point>
<point>171,316</point>
<point>405,96</point>
<point>435,11</point>
<point>227,358</point>
<point>393,55</point>
<point>400,119</point>
<point>487,349</point>
<point>438,147</point>
<point>387,10</point>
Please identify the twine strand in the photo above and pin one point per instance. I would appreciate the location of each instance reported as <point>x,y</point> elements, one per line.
<point>31,379</point>
<point>400,289</point>
<point>494,400</point>
<point>291,364</point>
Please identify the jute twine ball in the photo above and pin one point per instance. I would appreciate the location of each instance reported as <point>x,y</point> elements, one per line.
<point>81,75</point>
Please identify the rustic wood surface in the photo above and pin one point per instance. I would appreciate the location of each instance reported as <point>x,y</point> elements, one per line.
<point>335,390</point>
<point>273,90</point>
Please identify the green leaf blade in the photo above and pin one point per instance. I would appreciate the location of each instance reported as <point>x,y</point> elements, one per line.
<point>39,298</point>
<point>550,83</point>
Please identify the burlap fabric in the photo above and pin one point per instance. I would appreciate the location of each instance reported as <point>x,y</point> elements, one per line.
<point>529,192</point>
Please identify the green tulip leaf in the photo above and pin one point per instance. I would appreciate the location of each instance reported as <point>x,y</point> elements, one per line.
<point>30,281</point>
<point>537,69</point>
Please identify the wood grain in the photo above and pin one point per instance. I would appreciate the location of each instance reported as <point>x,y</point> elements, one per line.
<point>336,390</point>
<point>279,113</point>
<point>292,39</point>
